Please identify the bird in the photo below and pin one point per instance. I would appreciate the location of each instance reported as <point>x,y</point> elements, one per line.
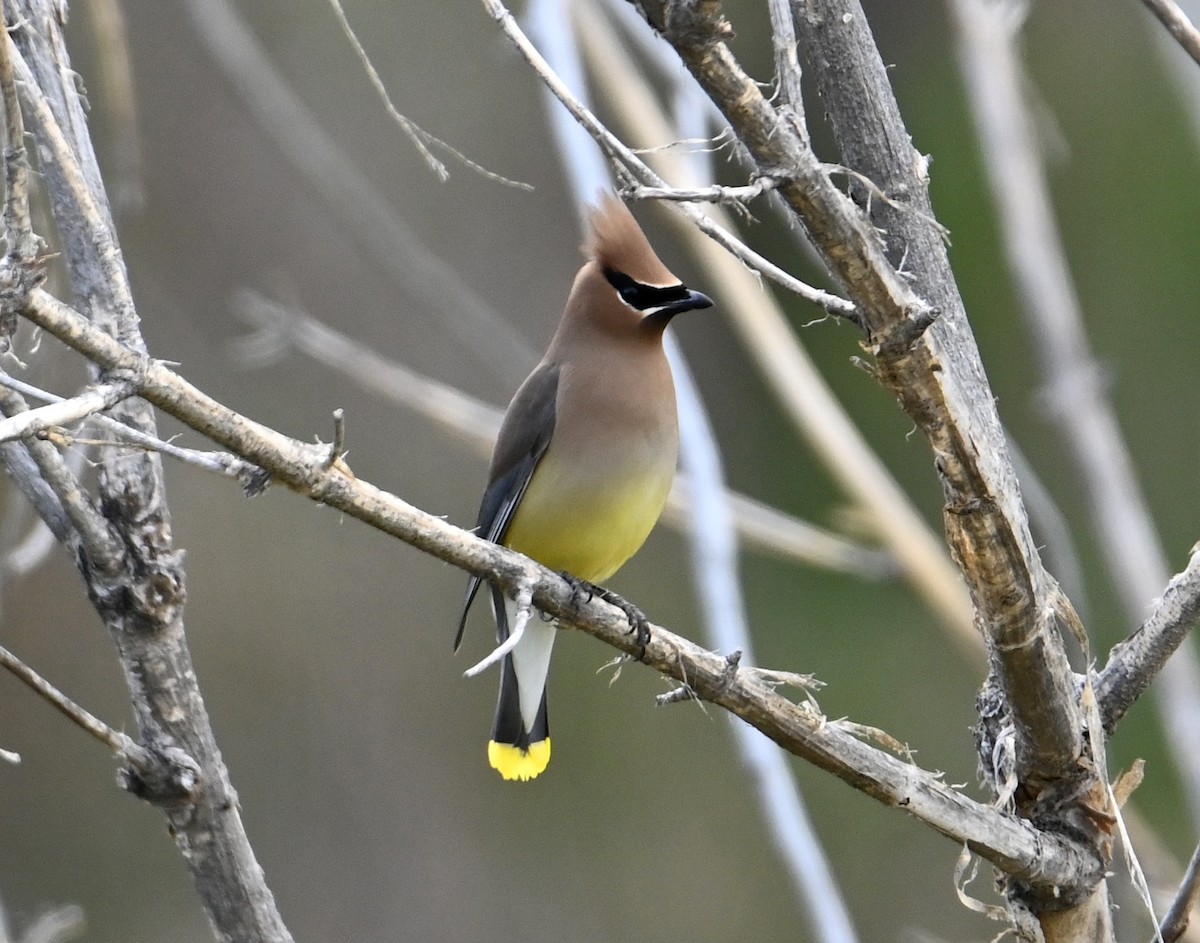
<point>585,457</point>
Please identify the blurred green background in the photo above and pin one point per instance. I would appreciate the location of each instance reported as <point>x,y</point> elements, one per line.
<point>323,648</point>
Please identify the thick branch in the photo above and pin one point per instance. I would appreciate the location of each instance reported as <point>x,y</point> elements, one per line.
<point>1046,861</point>
<point>137,586</point>
<point>771,340</point>
<point>932,366</point>
<point>1074,390</point>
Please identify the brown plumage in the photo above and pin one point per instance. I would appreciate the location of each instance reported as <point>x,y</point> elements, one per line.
<point>585,455</point>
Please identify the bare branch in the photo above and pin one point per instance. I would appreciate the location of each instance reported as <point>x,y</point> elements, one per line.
<point>119,103</point>
<point>364,210</point>
<point>420,138</point>
<point>712,194</point>
<point>18,228</point>
<point>627,159</point>
<point>1137,661</point>
<point>23,472</point>
<point>792,374</point>
<point>709,528</point>
<point>787,62</point>
<point>1182,30</point>
<point>121,745</point>
<point>222,463</point>
<point>933,368</point>
<point>1047,861</point>
<point>95,536</point>
<point>524,598</point>
<point>34,421</point>
<point>415,134</point>
<point>138,588</point>
<point>1177,918</point>
<point>1073,388</point>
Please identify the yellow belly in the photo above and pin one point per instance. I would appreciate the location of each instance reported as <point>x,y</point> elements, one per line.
<point>586,521</point>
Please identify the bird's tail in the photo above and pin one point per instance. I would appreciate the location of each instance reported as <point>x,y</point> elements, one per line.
<point>520,744</point>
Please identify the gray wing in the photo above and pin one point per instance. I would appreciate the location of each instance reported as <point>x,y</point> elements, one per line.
<point>524,437</point>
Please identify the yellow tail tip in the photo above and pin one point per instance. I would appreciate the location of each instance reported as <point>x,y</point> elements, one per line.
<point>512,762</point>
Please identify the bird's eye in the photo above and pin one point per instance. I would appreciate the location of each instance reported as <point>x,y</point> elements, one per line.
<point>629,295</point>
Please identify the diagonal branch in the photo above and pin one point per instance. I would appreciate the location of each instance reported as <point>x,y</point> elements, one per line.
<point>88,532</point>
<point>1136,662</point>
<point>117,742</point>
<point>222,463</point>
<point>1178,916</point>
<point>34,421</point>
<point>1052,863</point>
<point>916,326</point>
<point>1182,29</point>
<point>626,158</point>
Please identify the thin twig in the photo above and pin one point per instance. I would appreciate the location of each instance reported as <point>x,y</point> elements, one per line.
<point>365,211</point>
<point>712,194</point>
<point>120,744</point>
<point>420,138</point>
<point>626,158</point>
<point>409,127</point>
<point>1177,918</point>
<point>1182,30</point>
<point>338,447</point>
<point>34,421</point>
<point>221,463</point>
<point>516,632</point>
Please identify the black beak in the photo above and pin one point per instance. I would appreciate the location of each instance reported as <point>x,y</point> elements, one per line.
<point>694,299</point>
<point>686,300</point>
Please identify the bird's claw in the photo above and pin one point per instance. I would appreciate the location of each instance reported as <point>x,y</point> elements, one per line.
<point>583,591</point>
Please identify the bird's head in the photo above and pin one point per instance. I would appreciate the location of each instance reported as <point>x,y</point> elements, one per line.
<point>633,275</point>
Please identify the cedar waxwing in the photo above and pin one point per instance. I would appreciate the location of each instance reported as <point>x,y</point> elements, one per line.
<point>585,456</point>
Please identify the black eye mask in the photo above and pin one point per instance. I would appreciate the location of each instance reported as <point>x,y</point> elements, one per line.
<point>646,297</point>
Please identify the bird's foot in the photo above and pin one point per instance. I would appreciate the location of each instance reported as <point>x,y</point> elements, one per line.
<point>584,592</point>
<point>639,625</point>
<point>581,590</point>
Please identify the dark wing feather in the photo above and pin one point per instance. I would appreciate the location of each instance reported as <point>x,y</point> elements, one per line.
<point>524,437</point>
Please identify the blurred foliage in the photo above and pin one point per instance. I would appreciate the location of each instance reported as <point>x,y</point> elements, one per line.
<point>324,648</point>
